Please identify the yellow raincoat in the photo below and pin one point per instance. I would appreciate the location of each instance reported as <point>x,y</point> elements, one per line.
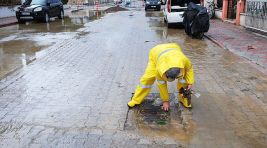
<point>161,58</point>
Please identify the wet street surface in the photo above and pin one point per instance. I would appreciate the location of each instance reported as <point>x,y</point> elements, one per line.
<point>151,120</point>
<point>75,93</point>
<point>21,44</point>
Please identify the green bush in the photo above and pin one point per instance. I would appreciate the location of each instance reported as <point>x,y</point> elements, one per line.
<point>64,1</point>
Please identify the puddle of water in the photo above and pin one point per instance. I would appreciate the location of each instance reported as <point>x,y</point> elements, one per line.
<point>15,54</point>
<point>149,119</point>
<point>84,16</point>
<point>115,9</point>
<point>19,44</point>
<point>153,14</point>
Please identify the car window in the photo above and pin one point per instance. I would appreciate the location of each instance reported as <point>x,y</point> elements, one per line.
<point>194,1</point>
<point>37,2</point>
<point>178,2</point>
<point>153,0</point>
<point>183,2</point>
<point>54,1</point>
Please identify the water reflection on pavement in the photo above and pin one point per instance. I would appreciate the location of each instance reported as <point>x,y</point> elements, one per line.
<point>20,44</point>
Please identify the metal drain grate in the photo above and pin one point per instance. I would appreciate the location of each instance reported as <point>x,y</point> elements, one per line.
<point>150,120</point>
<point>150,113</point>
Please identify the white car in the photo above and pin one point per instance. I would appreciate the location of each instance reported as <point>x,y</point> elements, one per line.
<point>173,11</point>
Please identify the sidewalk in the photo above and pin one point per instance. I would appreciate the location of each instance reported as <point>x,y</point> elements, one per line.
<point>240,41</point>
<point>7,16</point>
<point>7,21</point>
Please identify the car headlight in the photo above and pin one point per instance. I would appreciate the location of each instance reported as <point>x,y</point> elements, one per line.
<point>37,9</point>
<point>147,2</point>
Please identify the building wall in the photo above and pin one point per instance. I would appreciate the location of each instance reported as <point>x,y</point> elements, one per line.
<point>218,14</point>
<point>242,19</point>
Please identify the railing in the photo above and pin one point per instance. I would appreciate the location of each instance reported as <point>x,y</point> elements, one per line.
<point>257,8</point>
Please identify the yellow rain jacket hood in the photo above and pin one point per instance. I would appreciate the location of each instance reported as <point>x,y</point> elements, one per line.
<point>166,56</point>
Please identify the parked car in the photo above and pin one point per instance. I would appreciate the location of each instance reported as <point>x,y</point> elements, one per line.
<point>127,2</point>
<point>174,9</point>
<point>40,10</point>
<point>116,2</point>
<point>153,4</point>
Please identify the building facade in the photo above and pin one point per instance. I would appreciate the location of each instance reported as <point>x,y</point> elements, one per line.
<point>248,13</point>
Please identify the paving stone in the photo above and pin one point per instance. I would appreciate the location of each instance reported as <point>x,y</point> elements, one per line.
<point>75,95</point>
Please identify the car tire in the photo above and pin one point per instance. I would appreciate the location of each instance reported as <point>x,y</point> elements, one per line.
<point>168,25</point>
<point>61,14</point>
<point>46,18</point>
<point>21,21</point>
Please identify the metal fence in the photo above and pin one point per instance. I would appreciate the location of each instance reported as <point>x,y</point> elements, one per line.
<point>257,8</point>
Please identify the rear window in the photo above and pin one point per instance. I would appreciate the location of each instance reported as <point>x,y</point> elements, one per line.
<point>152,0</point>
<point>182,3</point>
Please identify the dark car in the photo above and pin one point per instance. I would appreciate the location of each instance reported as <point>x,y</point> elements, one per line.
<point>40,10</point>
<point>153,4</point>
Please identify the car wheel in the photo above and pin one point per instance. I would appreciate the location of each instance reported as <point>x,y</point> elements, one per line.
<point>168,25</point>
<point>46,17</point>
<point>61,14</point>
<point>21,21</point>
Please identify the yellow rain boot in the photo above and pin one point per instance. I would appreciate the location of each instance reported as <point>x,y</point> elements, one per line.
<point>185,101</point>
<point>184,96</point>
<point>131,103</point>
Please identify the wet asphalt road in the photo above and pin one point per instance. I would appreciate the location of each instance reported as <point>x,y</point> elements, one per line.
<point>74,94</point>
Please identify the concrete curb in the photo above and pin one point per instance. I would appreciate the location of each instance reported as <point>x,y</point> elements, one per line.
<point>9,23</point>
<point>215,41</point>
<point>5,25</point>
<point>76,10</point>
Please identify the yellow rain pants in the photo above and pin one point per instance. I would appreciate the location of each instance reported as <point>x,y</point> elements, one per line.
<point>161,58</point>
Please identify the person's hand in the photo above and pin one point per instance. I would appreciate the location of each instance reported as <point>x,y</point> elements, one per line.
<point>189,86</point>
<point>166,106</point>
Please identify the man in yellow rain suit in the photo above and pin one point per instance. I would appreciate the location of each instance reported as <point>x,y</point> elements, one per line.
<point>166,62</point>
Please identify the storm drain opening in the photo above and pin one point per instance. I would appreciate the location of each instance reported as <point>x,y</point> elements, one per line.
<point>150,119</point>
